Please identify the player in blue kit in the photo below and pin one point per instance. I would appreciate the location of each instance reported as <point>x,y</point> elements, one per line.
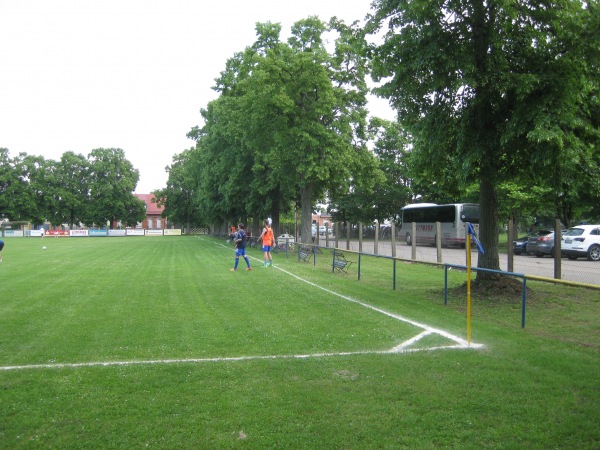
<point>240,240</point>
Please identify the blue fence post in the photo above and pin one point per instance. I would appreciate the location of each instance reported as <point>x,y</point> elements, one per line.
<point>524,302</point>
<point>333,261</point>
<point>445,284</point>
<point>394,274</point>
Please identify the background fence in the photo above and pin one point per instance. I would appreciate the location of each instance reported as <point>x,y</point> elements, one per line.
<point>372,242</point>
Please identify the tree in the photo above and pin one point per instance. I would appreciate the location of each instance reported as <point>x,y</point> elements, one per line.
<point>487,89</point>
<point>389,190</point>
<point>111,185</point>
<point>305,111</point>
<point>67,190</point>
<point>19,198</point>
<point>178,196</point>
<point>288,126</point>
<point>219,165</point>
<point>9,187</point>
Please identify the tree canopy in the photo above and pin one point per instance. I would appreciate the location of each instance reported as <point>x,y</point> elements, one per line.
<point>489,90</point>
<point>288,126</point>
<point>75,190</point>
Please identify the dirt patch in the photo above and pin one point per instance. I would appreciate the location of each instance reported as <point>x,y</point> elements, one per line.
<point>500,289</point>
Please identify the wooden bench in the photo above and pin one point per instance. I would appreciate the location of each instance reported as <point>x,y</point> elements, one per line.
<point>340,263</point>
<point>304,253</point>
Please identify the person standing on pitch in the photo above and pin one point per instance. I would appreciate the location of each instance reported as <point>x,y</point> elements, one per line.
<point>240,240</point>
<point>268,242</point>
<point>1,247</point>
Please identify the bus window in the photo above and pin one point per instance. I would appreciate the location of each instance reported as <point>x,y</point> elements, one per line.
<point>470,213</point>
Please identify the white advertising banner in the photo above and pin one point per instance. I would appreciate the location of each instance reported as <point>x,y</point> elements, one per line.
<point>78,233</point>
<point>136,232</point>
<point>154,232</point>
<point>172,232</point>
<point>13,233</point>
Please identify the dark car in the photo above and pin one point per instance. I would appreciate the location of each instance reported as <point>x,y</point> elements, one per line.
<point>541,245</point>
<point>520,244</point>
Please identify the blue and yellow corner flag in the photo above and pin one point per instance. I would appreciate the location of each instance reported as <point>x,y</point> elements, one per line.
<point>472,233</point>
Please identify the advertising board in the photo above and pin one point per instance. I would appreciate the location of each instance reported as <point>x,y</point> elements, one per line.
<point>135,232</point>
<point>78,233</point>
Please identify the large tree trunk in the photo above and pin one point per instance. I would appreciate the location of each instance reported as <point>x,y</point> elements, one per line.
<point>488,227</point>
<point>306,194</point>
<point>275,211</point>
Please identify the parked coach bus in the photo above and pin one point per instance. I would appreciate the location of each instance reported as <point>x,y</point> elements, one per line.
<point>452,218</point>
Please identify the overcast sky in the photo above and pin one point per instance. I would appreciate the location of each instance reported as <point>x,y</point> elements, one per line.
<point>76,75</point>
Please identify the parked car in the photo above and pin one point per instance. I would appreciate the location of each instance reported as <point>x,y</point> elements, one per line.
<point>322,230</point>
<point>541,245</point>
<point>328,229</point>
<point>582,240</point>
<point>520,245</point>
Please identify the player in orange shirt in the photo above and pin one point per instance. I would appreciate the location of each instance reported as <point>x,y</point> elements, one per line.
<point>268,242</point>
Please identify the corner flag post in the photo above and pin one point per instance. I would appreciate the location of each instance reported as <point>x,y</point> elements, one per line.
<point>470,232</point>
<point>468,247</point>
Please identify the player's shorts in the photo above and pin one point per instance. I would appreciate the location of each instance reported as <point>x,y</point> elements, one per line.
<point>266,248</point>
<point>240,252</point>
<point>1,245</point>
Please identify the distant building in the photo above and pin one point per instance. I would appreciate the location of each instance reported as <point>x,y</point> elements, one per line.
<point>322,219</point>
<point>153,220</point>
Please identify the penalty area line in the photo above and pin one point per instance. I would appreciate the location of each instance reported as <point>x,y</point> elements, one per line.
<point>395,350</point>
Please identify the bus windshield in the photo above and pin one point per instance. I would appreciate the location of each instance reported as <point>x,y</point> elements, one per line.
<point>470,213</point>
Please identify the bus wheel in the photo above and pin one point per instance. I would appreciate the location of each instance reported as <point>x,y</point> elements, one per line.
<point>408,239</point>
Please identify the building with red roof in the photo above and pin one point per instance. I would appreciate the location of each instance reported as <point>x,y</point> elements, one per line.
<point>153,220</point>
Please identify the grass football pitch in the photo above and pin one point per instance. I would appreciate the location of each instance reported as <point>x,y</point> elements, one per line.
<point>153,342</point>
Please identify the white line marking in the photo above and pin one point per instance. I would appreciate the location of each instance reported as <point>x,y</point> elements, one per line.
<point>458,340</point>
<point>394,350</point>
<point>400,348</point>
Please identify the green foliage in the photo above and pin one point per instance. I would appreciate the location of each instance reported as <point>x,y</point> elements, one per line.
<point>288,126</point>
<point>491,92</point>
<point>70,191</point>
<point>178,196</point>
<point>112,182</point>
<point>17,201</point>
<point>68,200</point>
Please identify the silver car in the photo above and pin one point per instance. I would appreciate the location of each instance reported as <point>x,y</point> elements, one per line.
<point>541,245</point>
